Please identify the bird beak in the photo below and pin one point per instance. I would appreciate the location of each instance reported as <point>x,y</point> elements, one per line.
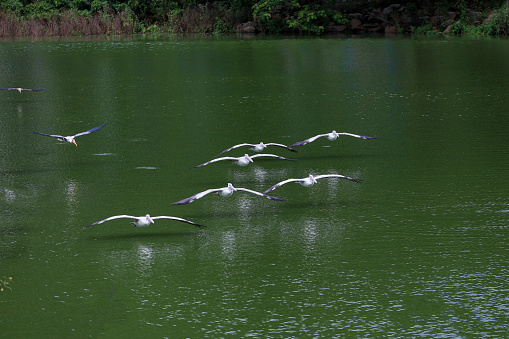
<point>150,219</point>
<point>74,142</point>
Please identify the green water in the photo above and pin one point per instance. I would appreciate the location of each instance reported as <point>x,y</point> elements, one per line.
<point>418,249</point>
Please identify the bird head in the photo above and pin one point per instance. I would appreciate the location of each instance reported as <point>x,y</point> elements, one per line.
<point>248,157</point>
<point>230,186</point>
<point>312,178</point>
<point>149,218</point>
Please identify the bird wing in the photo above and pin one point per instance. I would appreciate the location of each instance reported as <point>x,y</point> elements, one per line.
<point>337,176</point>
<point>178,219</point>
<point>260,194</point>
<point>282,146</point>
<point>23,89</point>
<point>357,136</point>
<point>111,218</point>
<point>236,146</point>
<point>279,184</point>
<point>270,155</point>
<point>196,196</point>
<point>50,135</point>
<point>89,131</point>
<point>217,159</point>
<point>307,141</point>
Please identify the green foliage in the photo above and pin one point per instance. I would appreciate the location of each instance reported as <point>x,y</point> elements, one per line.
<point>426,29</point>
<point>499,25</point>
<point>338,17</point>
<point>12,6</point>
<point>309,19</point>
<point>262,10</point>
<point>278,16</point>
<point>151,29</point>
<point>99,6</point>
<point>43,9</point>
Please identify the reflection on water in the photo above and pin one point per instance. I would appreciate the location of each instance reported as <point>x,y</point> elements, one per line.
<point>145,260</point>
<point>310,234</point>
<point>228,246</point>
<point>71,193</point>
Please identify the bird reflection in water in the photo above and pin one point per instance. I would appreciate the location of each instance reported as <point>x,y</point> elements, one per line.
<point>145,256</point>
<point>71,196</point>
<point>229,248</point>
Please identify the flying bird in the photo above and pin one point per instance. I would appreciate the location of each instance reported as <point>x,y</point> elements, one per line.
<point>310,180</point>
<point>70,139</point>
<point>19,89</point>
<point>224,192</point>
<point>143,221</point>
<point>258,147</point>
<point>243,160</point>
<point>331,136</point>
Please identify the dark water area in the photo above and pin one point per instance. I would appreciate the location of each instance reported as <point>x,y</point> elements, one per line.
<point>418,249</point>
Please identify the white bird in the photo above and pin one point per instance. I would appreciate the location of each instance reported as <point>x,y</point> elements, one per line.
<point>143,221</point>
<point>70,139</point>
<point>310,180</point>
<point>331,136</point>
<point>224,192</point>
<point>244,160</point>
<point>19,89</point>
<point>258,147</point>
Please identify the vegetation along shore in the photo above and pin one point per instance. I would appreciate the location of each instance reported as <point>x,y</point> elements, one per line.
<point>83,17</point>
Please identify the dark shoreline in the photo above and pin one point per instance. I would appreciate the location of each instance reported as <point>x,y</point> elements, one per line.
<point>209,18</point>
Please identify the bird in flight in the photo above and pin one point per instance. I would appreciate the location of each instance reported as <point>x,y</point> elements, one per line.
<point>224,192</point>
<point>70,139</point>
<point>331,136</point>
<point>244,160</point>
<point>258,147</point>
<point>143,221</point>
<point>311,180</point>
<point>19,89</point>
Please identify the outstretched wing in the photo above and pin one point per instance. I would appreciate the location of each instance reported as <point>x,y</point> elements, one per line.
<point>260,194</point>
<point>196,197</point>
<point>270,156</point>
<point>92,130</point>
<point>338,176</point>
<point>178,219</point>
<point>357,136</point>
<point>236,146</point>
<point>307,141</point>
<point>217,159</point>
<point>22,89</point>
<point>279,184</point>
<point>282,146</point>
<point>111,218</point>
<point>50,135</point>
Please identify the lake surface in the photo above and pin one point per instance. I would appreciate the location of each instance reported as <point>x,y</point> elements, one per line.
<point>418,249</point>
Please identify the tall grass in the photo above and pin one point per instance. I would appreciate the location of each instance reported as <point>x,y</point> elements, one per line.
<point>67,22</point>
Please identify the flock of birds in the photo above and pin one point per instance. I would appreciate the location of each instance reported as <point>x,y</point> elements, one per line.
<point>145,221</point>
